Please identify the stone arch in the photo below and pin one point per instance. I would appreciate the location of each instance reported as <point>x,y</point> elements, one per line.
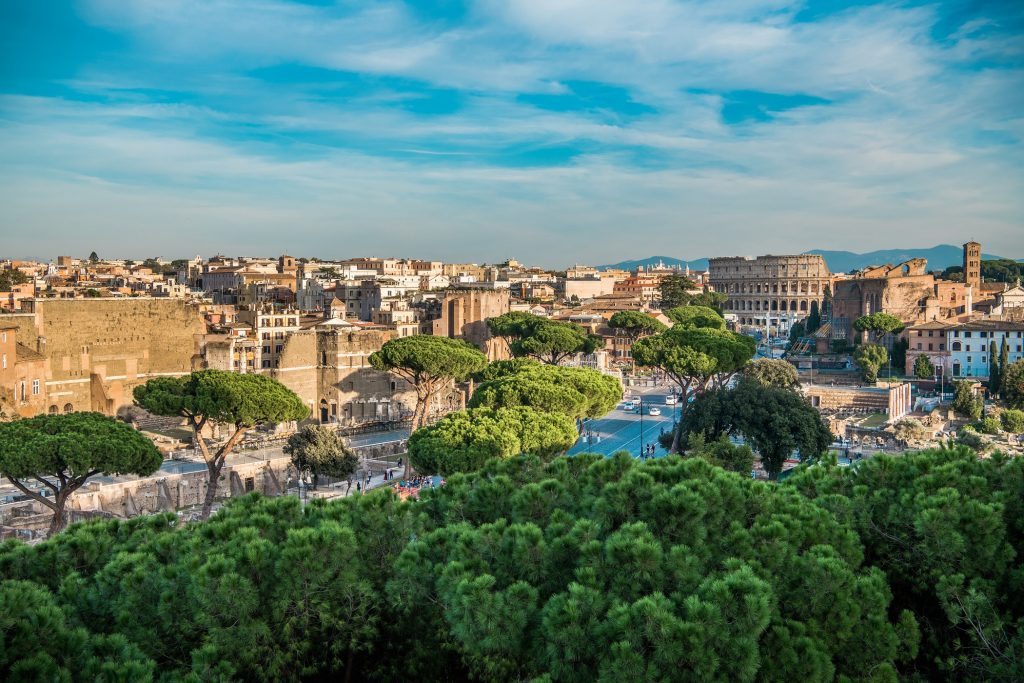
<point>803,306</point>
<point>53,410</point>
<point>69,408</point>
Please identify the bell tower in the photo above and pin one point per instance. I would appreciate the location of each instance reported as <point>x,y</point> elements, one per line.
<point>972,266</point>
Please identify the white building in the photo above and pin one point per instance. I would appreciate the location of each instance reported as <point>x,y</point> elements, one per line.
<point>972,344</point>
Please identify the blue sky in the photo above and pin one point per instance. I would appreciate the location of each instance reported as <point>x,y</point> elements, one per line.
<point>552,131</point>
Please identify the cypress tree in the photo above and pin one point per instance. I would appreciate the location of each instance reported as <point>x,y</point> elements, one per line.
<point>993,373</point>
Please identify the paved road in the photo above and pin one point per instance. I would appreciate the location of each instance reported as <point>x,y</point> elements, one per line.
<point>624,430</point>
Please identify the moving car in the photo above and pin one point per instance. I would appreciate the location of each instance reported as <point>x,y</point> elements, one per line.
<point>654,410</point>
<point>671,400</point>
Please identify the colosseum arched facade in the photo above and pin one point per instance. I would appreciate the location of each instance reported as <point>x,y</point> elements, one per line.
<point>770,292</point>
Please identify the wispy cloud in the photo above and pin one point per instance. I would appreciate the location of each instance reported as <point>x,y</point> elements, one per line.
<point>556,130</point>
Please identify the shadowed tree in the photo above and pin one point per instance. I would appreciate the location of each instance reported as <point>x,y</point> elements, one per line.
<point>429,364</point>
<point>776,421</point>
<point>61,452</point>
<point>676,290</point>
<point>1012,384</point>
<point>321,452</point>
<point>923,368</point>
<point>226,398</point>
<point>772,372</point>
<point>870,358</point>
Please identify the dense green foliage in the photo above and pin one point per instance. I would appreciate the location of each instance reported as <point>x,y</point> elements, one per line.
<point>583,569</point>
<point>634,324</point>
<point>879,323</point>
<point>772,372</point>
<point>721,452</point>
<point>1012,420</point>
<point>992,270</point>
<point>696,316</point>
<point>923,368</point>
<point>776,421</point>
<point>61,452</point>
<point>676,290</point>
<point>965,401</point>
<point>242,401</point>
<point>870,358</point>
<point>10,277</point>
<point>321,452</point>
<point>1011,386</point>
<point>463,441</point>
<point>947,528</point>
<point>575,392</point>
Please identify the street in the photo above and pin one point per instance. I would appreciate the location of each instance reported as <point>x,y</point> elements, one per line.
<point>625,430</point>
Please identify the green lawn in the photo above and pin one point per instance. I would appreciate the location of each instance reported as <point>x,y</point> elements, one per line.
<point>874,420</point>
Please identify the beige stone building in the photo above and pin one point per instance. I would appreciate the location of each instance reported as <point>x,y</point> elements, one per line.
<point>464,315</point>
<point>770,292</point>
<point>97,350</point>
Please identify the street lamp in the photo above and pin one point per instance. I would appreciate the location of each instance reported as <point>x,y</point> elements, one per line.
<point>641,427</point>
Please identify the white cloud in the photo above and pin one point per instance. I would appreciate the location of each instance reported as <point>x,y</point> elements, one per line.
<point>905,142</point>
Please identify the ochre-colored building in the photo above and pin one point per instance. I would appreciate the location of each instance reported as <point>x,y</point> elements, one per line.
<point>96,351</point>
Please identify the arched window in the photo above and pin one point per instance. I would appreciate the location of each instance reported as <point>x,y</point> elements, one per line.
<point>54,410</point>
<point>68,408</point>
<point>792,305</point>
<point>957,346</point>
<point>803,305</point>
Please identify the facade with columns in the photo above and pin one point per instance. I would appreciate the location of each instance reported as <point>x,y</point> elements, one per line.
<point>770,292</point>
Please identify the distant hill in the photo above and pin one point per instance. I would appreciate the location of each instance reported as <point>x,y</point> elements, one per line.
<point>699,264</point>
<point>939,258</point>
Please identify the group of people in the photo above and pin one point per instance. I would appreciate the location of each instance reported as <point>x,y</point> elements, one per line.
<point>648,451</point>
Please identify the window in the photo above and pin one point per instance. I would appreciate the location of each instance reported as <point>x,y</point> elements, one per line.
<point>3,364</point>
<point>266,349</point>
<point>968,347</point>
<point>35,387</point>
<point>277,348</point>
<point>956,346</point>
<point>942,347</point>
<point>919,333</point>
<point>982,347</point>
<point>24,395</point>
<point>930,347</point>
<point>918,346</point>
<point>967,333</point>
<point>3,337</point>
<point>968,359</point>
<point>266,363</point>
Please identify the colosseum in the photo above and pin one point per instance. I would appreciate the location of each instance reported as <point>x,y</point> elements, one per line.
<point>770,292</point>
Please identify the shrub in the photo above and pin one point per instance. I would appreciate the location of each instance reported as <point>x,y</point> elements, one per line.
<point>1012,420</point>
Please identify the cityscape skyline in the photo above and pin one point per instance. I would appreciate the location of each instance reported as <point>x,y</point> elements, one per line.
<point>479,131</point>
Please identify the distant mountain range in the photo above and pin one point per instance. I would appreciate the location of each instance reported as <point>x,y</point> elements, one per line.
<point>939,258</point>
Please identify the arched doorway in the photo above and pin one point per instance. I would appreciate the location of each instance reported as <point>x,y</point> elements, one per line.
<point>323,410</point>
<point>68,408</point>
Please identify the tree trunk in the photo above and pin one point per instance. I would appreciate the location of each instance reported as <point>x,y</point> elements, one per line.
<point>213,468</point>
<point>60,515</point>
